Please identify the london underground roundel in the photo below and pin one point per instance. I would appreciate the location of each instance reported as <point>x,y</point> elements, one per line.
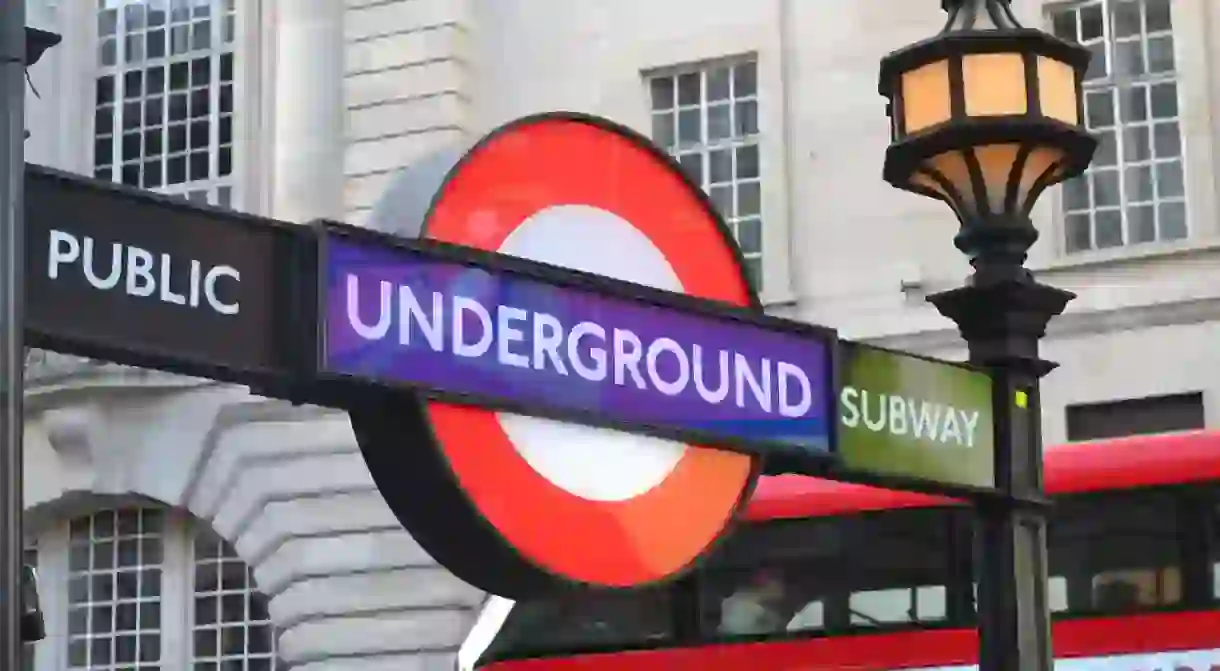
<point>522,505</point>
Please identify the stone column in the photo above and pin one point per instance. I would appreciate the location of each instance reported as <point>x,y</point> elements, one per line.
<point>407,86</point>
<point>307,178</point>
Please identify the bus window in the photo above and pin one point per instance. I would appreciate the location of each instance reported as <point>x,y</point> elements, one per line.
<point>811,617</point>
<point>756,606</point>
<point>1117,591</point>
<point>1118,552</point>
<point>1213,547</point>
<point>903,604</point>
<point>1056,592</point>
<point>863,571</point>
<point>587,621</point>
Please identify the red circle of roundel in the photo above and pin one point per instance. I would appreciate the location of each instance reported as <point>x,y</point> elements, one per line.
<point>519,170</point>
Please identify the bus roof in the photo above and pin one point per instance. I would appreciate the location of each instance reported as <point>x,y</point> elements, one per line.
<point>1123,463</point>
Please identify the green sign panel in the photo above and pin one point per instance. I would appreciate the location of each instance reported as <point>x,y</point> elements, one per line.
<point>902,415</point>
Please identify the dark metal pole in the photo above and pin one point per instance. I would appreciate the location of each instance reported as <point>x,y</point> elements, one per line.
<point>12,350</point>
<point>1002,314</point>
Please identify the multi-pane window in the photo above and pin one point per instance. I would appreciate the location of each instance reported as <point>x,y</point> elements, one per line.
<point>164,114</point>
<point>1134,192</point>
<point>114,590</point>
<point>130,571</point>
<point>232,629</point>
<point>707,118</point>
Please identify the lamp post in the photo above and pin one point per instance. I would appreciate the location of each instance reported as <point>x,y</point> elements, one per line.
<point>986,115</point>
<point>20,47</point>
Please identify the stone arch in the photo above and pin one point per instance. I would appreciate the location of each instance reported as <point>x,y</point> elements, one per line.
<point>287,487</point>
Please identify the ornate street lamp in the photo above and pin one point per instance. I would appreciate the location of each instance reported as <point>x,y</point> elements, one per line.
<point>985,116</point>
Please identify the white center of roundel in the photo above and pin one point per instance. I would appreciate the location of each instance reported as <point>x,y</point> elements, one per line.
<point>592,463</point>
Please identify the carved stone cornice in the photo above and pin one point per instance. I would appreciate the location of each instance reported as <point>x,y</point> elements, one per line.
<point>52,378</point>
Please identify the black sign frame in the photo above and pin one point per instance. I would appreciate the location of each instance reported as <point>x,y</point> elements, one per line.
<point>339,388</point>
<point>260,348</point>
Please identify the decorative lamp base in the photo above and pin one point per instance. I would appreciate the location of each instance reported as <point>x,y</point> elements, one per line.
<point>1003,314</point>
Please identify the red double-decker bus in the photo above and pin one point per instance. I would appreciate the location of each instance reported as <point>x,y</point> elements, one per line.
<point>829,576</point>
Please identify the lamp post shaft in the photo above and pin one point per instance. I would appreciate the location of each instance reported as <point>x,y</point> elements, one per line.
<point>1003,321</point>
<point>1014,613</point>
<point>12,350</point>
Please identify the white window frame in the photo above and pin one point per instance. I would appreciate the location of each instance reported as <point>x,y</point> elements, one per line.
<point>730,145</point>
<point>220,21</point>
<point>177,589</point>
<point>768,43</point>
<point>253,100</point>
<point>1116,86</point>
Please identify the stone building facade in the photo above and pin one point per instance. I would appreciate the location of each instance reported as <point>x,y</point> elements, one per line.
<point>177,521</point>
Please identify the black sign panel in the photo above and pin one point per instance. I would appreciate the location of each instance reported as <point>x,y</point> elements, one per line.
<point>155,281</point>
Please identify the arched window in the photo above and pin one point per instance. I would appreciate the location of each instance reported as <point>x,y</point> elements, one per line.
<point>149,589</point>
<point>114,588</point>
<point>230,623</point>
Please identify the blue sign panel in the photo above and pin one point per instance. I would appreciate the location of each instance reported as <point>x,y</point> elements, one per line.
<point>513,340</point>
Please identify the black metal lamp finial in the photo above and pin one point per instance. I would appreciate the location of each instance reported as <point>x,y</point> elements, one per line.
<point>969,15</point>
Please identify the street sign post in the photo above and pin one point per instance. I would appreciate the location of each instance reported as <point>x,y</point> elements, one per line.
<point>13,57</point>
